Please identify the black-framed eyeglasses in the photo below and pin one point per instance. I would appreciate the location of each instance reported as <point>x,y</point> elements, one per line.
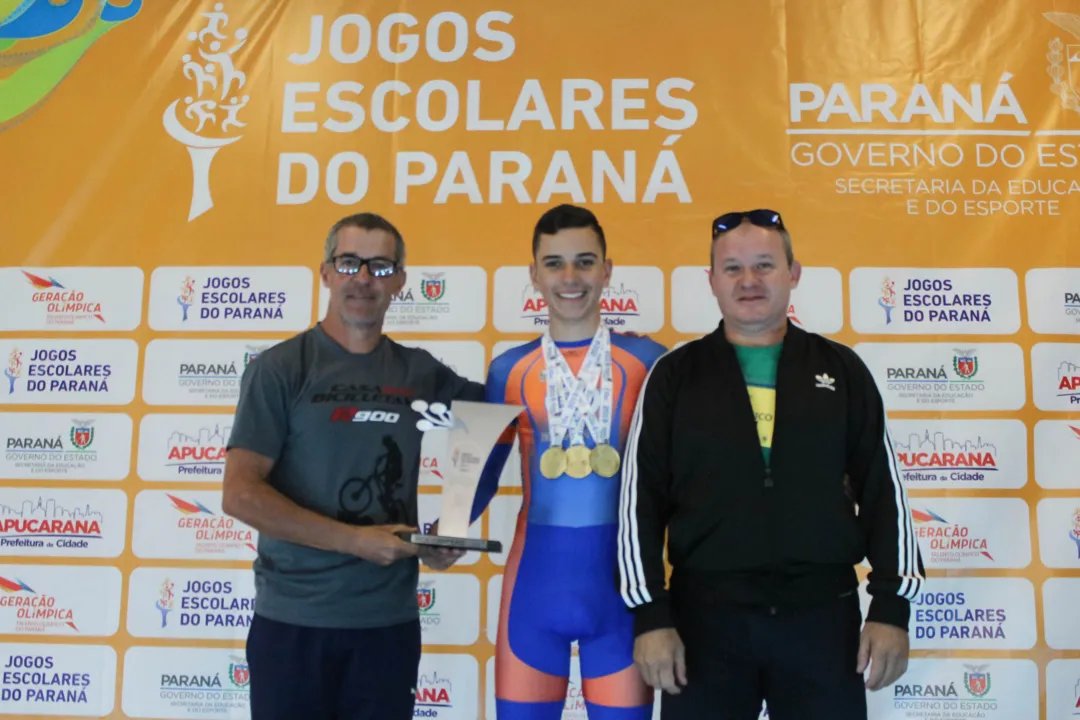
<point>349,264</point>
<point>762,218</point>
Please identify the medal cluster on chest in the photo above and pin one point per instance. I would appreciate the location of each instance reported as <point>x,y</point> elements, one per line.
<point>577,404</point>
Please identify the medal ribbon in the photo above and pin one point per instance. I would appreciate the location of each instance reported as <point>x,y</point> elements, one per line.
<point>572,403</point>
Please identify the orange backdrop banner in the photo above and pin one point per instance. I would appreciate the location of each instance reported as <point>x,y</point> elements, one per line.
<point>169,170</point>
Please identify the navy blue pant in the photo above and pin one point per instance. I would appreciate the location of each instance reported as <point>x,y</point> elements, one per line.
<point>332,674</point>
<point>801,661</point>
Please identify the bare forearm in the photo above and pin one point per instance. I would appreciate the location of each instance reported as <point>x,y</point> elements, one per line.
<point>257,504</point>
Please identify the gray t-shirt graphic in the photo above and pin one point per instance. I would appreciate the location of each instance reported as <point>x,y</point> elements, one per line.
<point>343,436</point>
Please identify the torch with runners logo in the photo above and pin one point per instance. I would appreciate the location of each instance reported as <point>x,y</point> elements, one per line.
<point>1074,534</point>
<point>187,295</point>
<point>167,600</point>
<point>887,301</point>
<point>214,106</point>
<point>14,369</point>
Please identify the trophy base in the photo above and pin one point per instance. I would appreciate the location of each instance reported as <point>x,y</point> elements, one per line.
<point>457,543</point>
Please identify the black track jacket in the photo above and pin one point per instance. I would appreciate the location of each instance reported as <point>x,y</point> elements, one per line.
<point>740,532</point>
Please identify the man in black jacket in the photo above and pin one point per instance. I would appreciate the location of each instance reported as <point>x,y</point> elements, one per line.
<point>762,450</point>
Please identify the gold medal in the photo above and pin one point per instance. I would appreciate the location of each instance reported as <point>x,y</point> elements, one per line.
<point>604,460</point>
<point>577,462</point>
<point>553,463</point>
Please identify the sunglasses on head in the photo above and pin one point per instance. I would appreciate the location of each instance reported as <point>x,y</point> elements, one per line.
<point>761,218</point>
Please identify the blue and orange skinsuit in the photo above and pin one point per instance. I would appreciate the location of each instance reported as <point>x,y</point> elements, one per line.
<point>560,580</point>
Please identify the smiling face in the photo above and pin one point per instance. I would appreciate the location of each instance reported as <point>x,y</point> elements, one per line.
<point>361,299</point>
<point>751,280</point>
<point>570,271</point>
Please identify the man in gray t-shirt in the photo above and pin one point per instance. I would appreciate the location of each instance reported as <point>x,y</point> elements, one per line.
<point>323,461</point>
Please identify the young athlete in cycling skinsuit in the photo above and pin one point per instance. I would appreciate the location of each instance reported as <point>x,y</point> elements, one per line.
<point>579,384</point>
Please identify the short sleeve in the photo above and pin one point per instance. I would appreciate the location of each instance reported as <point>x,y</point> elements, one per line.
<point>261,422</point>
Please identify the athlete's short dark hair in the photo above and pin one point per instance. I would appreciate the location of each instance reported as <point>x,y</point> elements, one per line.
<point>562,217</point>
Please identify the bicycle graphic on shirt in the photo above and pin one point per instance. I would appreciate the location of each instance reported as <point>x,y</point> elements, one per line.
<point>362,498</point>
